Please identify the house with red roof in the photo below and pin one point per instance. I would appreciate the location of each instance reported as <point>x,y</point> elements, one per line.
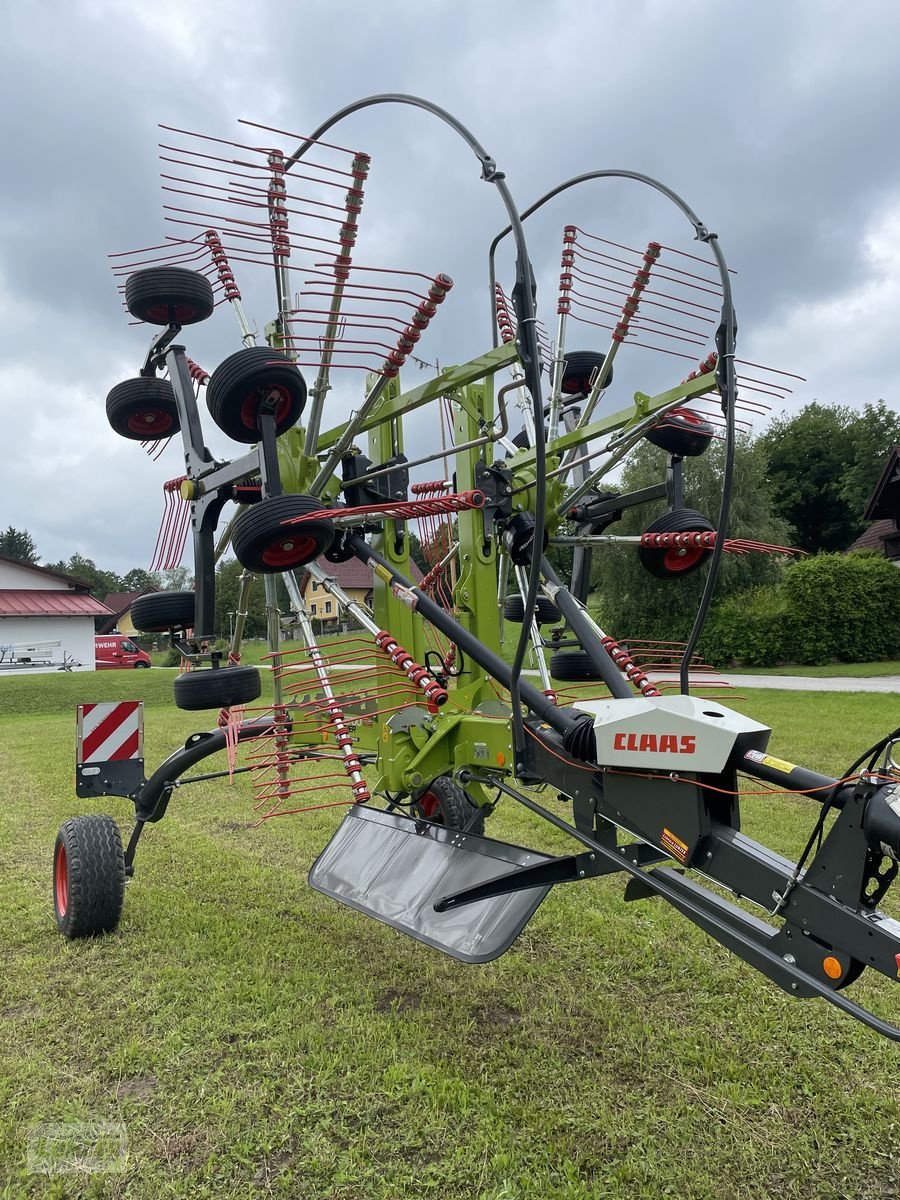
<point>46,619</point>
<point>120,603</point>
<point>353,576</point>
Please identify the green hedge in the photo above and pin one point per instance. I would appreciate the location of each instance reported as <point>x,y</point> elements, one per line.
<point>830,608</point>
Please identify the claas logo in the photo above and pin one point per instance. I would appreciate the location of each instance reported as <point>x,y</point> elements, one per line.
<point>656,743</point>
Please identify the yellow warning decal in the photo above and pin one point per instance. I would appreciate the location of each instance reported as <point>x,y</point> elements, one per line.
<point>675,846</point>
<point>381,572</point>
<point>766,760</point>
<point>777,764</point>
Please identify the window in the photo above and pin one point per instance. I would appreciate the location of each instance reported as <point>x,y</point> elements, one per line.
<point>312,609</point>
<point>327,607</point>
<point>129,647</point>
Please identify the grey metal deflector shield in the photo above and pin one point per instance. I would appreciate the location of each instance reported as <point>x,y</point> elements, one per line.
<point>395,869</point>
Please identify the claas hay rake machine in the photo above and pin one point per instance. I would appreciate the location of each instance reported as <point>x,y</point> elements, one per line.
<point>416,710</point>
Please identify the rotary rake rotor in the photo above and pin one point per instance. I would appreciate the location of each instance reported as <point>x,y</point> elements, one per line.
<point>419,711</point>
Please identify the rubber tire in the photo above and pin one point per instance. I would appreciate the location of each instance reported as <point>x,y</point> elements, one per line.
<point>217,688</point>
<point>142,666</point>
<point>445,803</point>
<point>88,876</point>
<point>669,564</point>
<point>169,295</point>
<point>682,433</point>
<point>579,366</point>
<point>257,533</point>
<point>238,386</point>
<point>161,611</point>
<point>573,666</point>
<point>143,409</point>
<point>547,612</point>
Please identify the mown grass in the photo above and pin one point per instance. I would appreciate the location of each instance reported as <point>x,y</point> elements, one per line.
<point>866,670</point>
<point>256,1039</point>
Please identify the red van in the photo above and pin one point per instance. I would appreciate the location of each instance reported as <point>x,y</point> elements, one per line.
<point>116,650</point>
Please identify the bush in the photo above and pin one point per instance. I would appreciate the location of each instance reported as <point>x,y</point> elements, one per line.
<point>843,607</point>
<point>830,608</point>
<point>752,628</point>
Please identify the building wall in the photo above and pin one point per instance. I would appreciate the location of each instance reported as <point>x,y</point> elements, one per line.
<point>75,635</point>
<point>14,576</point>
<point>317,601</point>
<point>126,625</point>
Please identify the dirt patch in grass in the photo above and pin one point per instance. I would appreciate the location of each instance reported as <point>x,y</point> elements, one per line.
<point>497,1015</point>
<point>399,1001</point>
<point>142,1087</point>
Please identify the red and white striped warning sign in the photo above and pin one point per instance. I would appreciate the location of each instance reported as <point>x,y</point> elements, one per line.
<point>110,732</point>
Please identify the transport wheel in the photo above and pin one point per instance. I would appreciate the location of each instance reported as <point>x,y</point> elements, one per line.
<point>578,369</point>
<point>218,687</point>
<point>160,611</point>
<point>572,666</point>
<point>682,433</point>
<point>547,612</point>
<point>672,562</point>
<point>244,381</point>
<point>88,876</point>
<point>141,666</point>
<point>169,296</point>
<point>143,409</point>
<point>264,544</point>
<point>444,802</point>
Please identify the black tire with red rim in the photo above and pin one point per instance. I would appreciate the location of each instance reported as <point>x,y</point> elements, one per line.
<point>143,409</point>
<point>265,545</point>
<point>88,876</point>
<point>217,687</point>
<point>676,562</point>
<point>169,296</point>
<point>241,384</point>
<point>682,433</point>
<point>160,611</point>
<point>578,367</point>
<point>444,802</point>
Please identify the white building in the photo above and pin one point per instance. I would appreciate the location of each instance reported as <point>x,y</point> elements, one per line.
<point>45,617</point>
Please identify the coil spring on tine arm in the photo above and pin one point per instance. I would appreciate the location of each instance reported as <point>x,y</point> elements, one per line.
<point>419,322</point>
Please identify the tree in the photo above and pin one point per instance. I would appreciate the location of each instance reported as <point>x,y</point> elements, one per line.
<point>873,434</point>
<point>634,603</point>
<point>19,545</point>
<point>137,579</point>
<point>177,579</point>
<point>823,464</point>
<point>101,582</point>
<point>228,579</point>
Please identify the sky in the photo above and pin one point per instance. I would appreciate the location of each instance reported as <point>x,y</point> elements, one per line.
<point>775,121</point>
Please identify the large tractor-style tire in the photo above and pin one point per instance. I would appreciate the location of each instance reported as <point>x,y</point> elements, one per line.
<point>88,876</point>
<point>217,687</point>
<point>676,562</point>
<point>682,433</point>
<point>244,381</point>
<point>444,802</point>
<point>160,611</point>
<point>143,409</point>
<point>547,612</point>
<point>265,545</point>
<point>169,296</point>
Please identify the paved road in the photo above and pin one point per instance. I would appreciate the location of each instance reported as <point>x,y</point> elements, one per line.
<point>802,683</point>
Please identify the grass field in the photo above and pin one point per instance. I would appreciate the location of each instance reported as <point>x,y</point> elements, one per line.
<point>250,1038</point>
<point>866,670</point>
